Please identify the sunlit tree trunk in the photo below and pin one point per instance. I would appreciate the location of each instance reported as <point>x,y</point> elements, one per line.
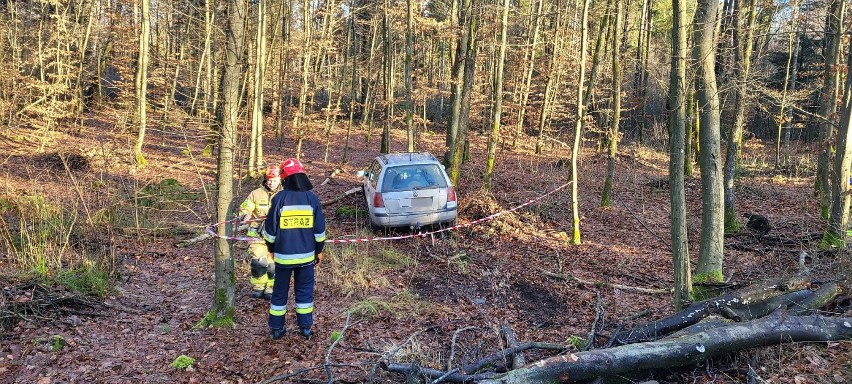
<point>711,251</point>
<point>677,135</point>
<point>466,58</point>
<point>836,233</point>
<point>222,310</point>
<point>828,101</point>
<point>744,43</point>
<point>255,162</point>
<point>792,41</point>
<point>603,36</point>
<point>613,134</point>
<point>142,80</point>
<point>498,98</point>
<point>576,238</point>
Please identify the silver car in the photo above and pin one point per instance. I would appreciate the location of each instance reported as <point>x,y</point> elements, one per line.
<point>408,190</point>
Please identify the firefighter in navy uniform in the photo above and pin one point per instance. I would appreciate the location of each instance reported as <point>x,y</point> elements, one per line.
<point>254,207</point>
<point>295,233</point>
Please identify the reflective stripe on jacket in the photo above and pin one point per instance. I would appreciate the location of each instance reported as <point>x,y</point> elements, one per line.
<point>257,205</point>
<point>295,225</point>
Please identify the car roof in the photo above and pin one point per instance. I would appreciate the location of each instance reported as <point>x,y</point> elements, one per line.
<point>407,158</point>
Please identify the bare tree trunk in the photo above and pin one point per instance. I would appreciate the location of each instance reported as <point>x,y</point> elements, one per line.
<point>711,252</point>
<point>222,310</point>
<point>300,122</point>
<point>828,101</point>
<point>552,78</point>
<point>142,81</point>
<point>744,44</point>
<point>603,35</point>
<point>677,134</point>
<point>388,74</point>
<point>498,98</point>
<point>255,161</point>
<point>525,92</point>
<point>613,135</point>
<point>466,59</point>
<point>409,52</point>
<point>836,234</point>
<point>576,238</point>
<point>782,114</point>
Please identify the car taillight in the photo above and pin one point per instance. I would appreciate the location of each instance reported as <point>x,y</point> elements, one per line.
<point>378,201</point>
<point>451,194</point>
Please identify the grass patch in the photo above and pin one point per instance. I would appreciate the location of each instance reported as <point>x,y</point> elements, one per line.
<point>42,240</point>
<point>403,305</point>
<point>357,268</point>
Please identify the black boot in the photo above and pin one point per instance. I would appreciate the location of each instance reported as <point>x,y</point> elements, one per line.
<point>305,332</point>
<point>257,293</point>
<point>278,333</point>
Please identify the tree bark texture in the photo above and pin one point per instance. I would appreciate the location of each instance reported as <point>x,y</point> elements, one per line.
<point>711,251</point>
<point>498,99</point>
<point>576,237</point>
<point>692,349</point>
<point>677,136</point>
<point>744,43</point>
<point>223,299</point>
<point>828,101</point>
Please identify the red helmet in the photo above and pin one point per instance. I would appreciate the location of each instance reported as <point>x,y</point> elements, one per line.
<point>291,166</point>
<point>273,172</point>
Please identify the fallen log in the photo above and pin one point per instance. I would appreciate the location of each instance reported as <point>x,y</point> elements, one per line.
<point>741,300</point>
<point>780,327</point>
<point>343,196</point>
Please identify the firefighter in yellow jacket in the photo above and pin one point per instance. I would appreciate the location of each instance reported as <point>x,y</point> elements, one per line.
<point>255,206</point>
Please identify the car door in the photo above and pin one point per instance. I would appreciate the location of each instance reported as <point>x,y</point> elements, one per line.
<point>371,179</point>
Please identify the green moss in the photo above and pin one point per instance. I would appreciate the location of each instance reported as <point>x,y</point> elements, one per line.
<point>57,342</point>
<point>732,223</point>
<point>182,362</point>
<point>831,240</point>
<point>212,319</point>
<point>335,335</point>
<point>825,211</point>
<point>712,277</point>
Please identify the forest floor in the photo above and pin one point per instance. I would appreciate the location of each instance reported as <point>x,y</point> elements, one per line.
<point>424,300</point>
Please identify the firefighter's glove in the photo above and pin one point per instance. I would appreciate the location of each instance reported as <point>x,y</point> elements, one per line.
<point>270,247</point>
<point>319,258</point>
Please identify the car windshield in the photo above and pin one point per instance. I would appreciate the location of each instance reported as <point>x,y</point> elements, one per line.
<point>410,177</point>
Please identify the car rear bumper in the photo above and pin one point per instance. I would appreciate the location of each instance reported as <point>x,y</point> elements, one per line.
<point>414,219</point>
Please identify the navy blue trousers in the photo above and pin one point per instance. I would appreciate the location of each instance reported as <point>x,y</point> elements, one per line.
<point>303,287</point>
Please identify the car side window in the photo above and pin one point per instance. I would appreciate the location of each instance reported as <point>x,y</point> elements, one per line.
<point>373,173</point>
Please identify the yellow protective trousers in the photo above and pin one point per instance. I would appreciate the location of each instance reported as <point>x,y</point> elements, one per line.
<point>262,267</point>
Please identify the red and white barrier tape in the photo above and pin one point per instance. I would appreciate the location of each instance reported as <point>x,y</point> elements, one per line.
<point>422,234</point>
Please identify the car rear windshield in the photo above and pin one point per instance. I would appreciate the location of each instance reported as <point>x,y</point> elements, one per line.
<point>410,177</point>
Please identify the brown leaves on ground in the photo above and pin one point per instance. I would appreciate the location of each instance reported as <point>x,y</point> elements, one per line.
<point>426,287</point>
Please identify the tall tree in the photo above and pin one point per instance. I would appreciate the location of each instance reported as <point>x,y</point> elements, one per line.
<point>388,76</point>
<point>222,310</point>
<point>835,234</point>
<point>828,101</point>
<point>142,80</point>
<point>677,135</point>
<point>578,126</point>
<point>613,132</point>
<point>256,137</point>
<point>711,251</point>
<point>789,79</point>
<point>744,43</point>
<point>409,53</point>
<point>300,122</point>
<point>528,74</point>
<point>466,59</point>
<point>498,98</point>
